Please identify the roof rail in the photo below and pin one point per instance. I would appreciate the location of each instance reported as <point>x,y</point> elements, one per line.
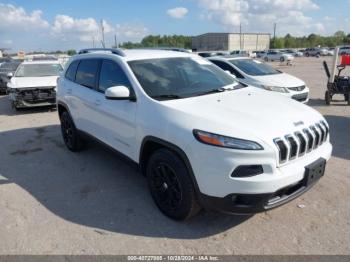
<point>115,51</point>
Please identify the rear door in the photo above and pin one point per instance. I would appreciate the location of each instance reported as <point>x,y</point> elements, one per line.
<point>115,118</point>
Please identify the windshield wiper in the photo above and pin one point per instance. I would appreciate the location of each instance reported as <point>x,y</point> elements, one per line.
<point>212,91</point>
<point>165,97</point>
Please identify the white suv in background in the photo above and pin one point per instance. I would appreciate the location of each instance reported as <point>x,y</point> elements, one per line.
<point>256,73</point>
<point>201,138</point>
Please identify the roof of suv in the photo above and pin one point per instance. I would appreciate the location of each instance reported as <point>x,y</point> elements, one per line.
<point>138,54</point>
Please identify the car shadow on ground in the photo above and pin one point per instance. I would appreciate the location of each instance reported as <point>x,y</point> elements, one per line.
<point>95,188</point>
<point>6,108</point>
<point>340,135</point>
<point>322,102</point>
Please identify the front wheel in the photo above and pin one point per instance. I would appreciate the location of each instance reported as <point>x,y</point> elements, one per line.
<point>70,134</point>
<point>266,59</point>
<point>282,59</point>
<point>171,186</point>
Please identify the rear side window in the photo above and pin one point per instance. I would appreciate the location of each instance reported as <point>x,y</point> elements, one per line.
<point>72,70</point>
<point>87,71</point>
<point>112,74</point>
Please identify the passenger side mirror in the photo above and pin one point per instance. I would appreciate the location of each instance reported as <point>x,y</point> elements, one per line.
<point>9,75</point>
<point>231,74</point>
<point>118,93</point>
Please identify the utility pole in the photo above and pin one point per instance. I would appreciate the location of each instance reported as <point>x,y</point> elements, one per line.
<point>93,42</point>
<point>274,35</point>
<point>103,34</point>
<point>240,36</point>
<point>115,41</point>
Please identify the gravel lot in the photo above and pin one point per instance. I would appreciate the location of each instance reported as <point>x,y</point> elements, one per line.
<point>53,201</point>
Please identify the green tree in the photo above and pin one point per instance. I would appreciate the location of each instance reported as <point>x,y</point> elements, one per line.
<point>71,52</point>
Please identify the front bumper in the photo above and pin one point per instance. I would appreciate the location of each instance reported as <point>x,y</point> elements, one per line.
<point>255,203</point>
<point>217,186</point>
<point>32,97</point>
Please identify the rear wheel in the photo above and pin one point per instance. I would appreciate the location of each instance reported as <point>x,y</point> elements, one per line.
<point>171,186</point>
<point>266,59</point>
<point>328,98</point>
<point>282,59</point>
<point>307,54</point>
<point>70,134</point>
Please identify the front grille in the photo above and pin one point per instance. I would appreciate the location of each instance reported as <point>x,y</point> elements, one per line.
<point>297,88</point>
<point>37,94</point>
<point>296,145</point>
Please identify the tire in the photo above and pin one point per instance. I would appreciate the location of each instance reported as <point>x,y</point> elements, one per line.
<point>307,54</point>
<point>328,98</point>
<point>171,186</point>
<point>266,59</point>
<point>347,98</point>
<point>70,134</point>
<point>282,59</point>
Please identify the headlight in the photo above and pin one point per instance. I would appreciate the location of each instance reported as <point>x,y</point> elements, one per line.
<point>276,89</point>
<point>224,141</point>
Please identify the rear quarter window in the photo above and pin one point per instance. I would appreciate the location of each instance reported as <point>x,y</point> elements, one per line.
<point>72,70</point>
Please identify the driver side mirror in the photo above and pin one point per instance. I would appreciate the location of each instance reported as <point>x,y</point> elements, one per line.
<point>119,93</point>
<point>9,75</point>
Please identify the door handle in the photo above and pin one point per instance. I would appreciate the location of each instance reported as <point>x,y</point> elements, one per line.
<point>97,102</point>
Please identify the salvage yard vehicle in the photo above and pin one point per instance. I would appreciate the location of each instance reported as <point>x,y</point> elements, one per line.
<point>316,51</point>
<point>201,138</point>
<point>277,56</point>
<point>261,75</point>
<point>337,84</point>
<point>34,84</point>
<point>293,52</point>
<point>5,69</point>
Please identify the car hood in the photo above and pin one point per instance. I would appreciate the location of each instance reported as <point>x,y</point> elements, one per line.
<point>283,79</point>
<point>247,113</point>
<point>23,82</point>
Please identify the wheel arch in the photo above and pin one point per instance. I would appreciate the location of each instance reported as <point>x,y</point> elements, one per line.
<point>62,107</point>
<point>150,144</point>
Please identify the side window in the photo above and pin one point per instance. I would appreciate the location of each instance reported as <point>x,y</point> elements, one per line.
<point>72,70</point>
<point>112,74</point>
<point>87,71</point>
<point>226,67</point>
<point>222,65</point>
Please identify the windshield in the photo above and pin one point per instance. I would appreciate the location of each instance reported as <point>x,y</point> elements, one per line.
<point>172,78</point>
<point>8,67</point>
<point>38,70</point>
<point>254,67</point>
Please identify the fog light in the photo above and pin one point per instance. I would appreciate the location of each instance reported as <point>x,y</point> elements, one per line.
<point>247,171</point>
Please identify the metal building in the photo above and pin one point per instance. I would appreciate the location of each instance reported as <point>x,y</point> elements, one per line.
<point>231,42</point>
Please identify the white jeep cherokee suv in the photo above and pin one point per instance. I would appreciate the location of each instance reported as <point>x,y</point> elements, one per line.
<point>201,138</point>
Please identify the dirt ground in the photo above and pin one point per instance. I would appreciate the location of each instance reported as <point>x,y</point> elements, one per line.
<point>53,201</point>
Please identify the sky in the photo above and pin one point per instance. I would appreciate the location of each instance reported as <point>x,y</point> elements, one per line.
<point>47,25</point>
